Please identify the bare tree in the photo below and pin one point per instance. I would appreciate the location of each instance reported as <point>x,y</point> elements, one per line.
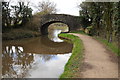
<point>46,7</point>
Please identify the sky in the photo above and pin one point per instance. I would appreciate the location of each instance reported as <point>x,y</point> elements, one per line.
<point>64,6</point>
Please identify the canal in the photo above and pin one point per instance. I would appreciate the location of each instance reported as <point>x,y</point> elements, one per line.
<point>40,57</point>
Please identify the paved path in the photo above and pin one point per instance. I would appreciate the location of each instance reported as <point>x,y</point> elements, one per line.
<point>98,61</point>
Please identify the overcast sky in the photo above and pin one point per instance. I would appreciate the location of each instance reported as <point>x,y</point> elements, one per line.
<point>65,6</point>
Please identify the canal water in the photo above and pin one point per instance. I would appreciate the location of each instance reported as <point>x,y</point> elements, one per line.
<point>41,57</point>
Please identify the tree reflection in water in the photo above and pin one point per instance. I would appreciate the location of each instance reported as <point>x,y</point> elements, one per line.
<point>35,57</point>
<point>46,57</point>
<point>16,63</point>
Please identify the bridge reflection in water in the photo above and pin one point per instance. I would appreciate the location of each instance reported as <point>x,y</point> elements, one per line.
<point>37,58</point>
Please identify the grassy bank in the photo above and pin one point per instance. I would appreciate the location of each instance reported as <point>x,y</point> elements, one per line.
<point>19,34</point>
<point>79,32</point>
<point>111,46</point>
<point>72,68</point>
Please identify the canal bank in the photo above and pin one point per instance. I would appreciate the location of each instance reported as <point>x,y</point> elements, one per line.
<point>19,33</point>
<point>72,68</point>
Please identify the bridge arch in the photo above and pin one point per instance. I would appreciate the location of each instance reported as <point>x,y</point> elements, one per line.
<point>44,28</point>
<point>73,22</point>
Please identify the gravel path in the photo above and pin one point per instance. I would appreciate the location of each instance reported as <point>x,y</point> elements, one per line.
<point>98,61</point>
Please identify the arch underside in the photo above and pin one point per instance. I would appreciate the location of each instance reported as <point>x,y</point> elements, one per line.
<point>44,27</point>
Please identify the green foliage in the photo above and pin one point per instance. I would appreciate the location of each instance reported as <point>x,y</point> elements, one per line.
<point>94,12</point>
<point>6,18</point>
<point>79,31</point>
<point>72,69</point>
<point>84,15</point>
<point>104,18</point>
<point>15,15</point>
<point>85,21</point>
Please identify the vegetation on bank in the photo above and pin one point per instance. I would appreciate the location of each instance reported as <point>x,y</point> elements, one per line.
<point>19,34</point>
<point>79,31</point>
<point>18,20</point>
<point>72,68</point>
<point>102,19</point>
<point>111,46</point>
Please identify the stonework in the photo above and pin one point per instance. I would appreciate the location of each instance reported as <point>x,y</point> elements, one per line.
<point>73,22</point>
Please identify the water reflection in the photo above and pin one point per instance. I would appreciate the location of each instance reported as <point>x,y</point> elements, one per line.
<point>50,69</point>
<point>53,35</point>
<point>34,58</point>
<point>40,45</point>
<point>15,63</point>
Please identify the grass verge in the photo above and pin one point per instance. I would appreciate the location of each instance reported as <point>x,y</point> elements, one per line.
<point>79,32</point>
<point>111,46</point>
<point>72,68</point>
<point>19,34</point>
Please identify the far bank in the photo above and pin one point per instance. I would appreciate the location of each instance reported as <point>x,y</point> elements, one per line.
<point>19,33</point>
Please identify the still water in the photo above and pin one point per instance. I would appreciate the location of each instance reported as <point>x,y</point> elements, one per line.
<point>41,57</point>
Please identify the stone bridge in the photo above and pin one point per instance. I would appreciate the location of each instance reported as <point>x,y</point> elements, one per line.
<point>73,22</point>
